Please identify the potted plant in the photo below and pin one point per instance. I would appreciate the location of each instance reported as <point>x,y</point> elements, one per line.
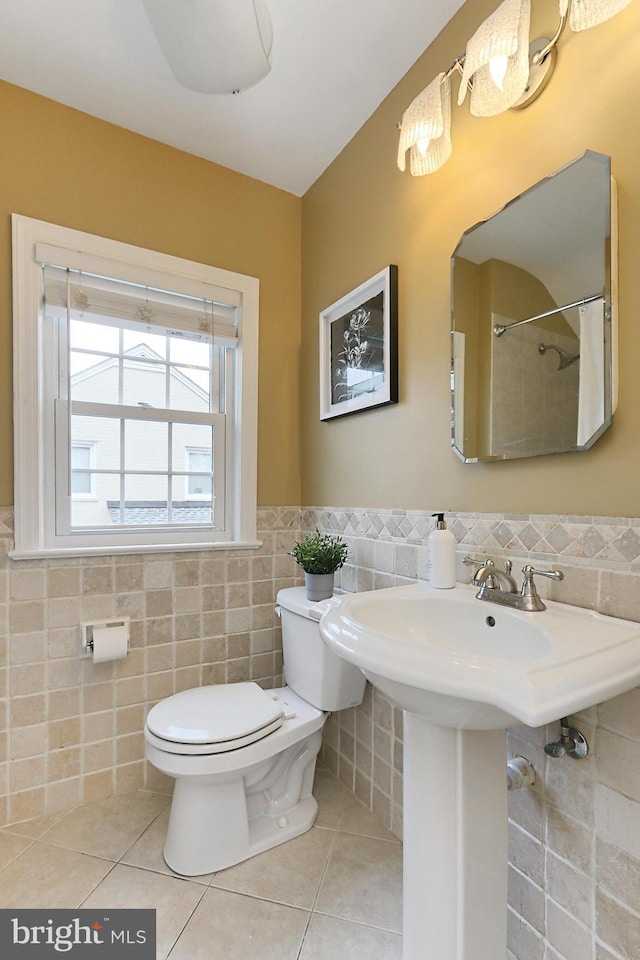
<point>319,555</point>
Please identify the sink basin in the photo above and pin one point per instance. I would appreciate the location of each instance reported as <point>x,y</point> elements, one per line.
<point>468,664</point>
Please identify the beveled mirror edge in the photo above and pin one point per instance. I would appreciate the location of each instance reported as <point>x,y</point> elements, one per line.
<point>610,294</point>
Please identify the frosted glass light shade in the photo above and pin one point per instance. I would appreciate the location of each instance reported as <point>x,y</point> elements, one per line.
<point>213,46</point>
<point>589,13</point>
<point>504,36</point>
<point>426,129</point>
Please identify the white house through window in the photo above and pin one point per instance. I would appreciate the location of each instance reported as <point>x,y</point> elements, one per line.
<point>82,469</point>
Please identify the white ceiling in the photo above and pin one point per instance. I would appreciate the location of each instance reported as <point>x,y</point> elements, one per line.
<point>333,62</point>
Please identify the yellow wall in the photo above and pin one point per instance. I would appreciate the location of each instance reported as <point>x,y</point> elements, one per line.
<point>363,214</point>
<point>63,166</point>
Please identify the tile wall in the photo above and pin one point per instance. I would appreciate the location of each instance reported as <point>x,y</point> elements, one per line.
<point>71,731</point>
<point>574,871</point>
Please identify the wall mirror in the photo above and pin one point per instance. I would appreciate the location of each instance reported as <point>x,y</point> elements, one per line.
<point>534,333</point>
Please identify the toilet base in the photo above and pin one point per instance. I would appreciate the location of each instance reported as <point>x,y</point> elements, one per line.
<point>215,824</point>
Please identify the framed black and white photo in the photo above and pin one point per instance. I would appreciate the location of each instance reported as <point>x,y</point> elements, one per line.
<point>359,348</point>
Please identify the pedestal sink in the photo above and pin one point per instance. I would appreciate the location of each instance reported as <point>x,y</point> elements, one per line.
<point>464,671</point>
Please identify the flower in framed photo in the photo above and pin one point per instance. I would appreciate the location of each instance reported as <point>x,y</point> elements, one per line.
<point>358,348</point>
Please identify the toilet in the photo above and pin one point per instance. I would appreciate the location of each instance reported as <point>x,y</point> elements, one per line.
<point>244,758</point>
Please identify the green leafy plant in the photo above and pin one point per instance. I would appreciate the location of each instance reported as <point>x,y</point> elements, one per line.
<point>320,553</point>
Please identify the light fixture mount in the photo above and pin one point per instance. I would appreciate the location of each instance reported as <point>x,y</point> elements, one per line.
<point>540,72</point>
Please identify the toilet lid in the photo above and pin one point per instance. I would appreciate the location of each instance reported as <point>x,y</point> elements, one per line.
<point>215,714</point>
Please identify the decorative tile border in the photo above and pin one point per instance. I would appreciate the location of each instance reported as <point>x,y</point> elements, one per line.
<point>608,542</point>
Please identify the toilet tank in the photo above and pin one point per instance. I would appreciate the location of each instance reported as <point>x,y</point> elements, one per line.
<point>313,671</point>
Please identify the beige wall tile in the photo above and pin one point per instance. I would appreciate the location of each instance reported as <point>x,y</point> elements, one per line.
<point>27,616</point>
<point>129,777</point>
<point>27,773</point>
<point>188,626</point>
<point>618,874</point>
<point>617,927</point>
<point>63,703</point>
<point>238,671</point>
<point>130,719</point>
<point>618,820</point>
<point>62,795</point>
<point>622,714</point>
<point>98,696</point>
<point>186,572</point>
<point>157,574</point>
<point>63,581</point>
<point>129,577</point>
<point>526,899</point>
<point>186,599</point>
<point>63,642</point>
<point>159,603</point>
<point>526,854</point>
<point>64,733</point>
<point>28,678</point>
<point>26,804</point>
<point>238,620</point>
<point>28,584</point>
<point>98,756</point>
<point>620,594</point>
<point>570,938</point>
<point>132,665</point>
<point>570,888</point>
<point>619,763</point>
<point>161,656</point>
<point>97,786</point>
<point>187,677</point>
<point>29,741</point>
<point>26,711</point>
<point>63,673</point>
<point>63,764</point>
<point>158,686</point>
<point>130,747</point>
<point>569,838</point>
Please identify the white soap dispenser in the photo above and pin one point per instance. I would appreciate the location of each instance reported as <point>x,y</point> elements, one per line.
<point>442,555</point>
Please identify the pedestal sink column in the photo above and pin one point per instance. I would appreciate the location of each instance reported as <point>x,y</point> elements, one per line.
<point>455,842</point>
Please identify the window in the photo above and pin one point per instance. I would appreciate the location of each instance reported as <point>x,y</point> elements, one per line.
<point>200,476</point>
<point>83,461</point>
<point>145,436</point>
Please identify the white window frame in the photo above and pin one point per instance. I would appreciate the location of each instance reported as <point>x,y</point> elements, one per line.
<point>34,417</point>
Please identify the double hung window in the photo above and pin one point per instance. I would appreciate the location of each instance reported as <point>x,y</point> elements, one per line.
<point>135,397</point>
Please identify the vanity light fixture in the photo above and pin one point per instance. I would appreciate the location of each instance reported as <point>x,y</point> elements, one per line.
<point>500,68</point>
<point>426,128</point>
<point>496,62</point>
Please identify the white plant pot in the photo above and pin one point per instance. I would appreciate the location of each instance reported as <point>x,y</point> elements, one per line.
<point>319,586</point>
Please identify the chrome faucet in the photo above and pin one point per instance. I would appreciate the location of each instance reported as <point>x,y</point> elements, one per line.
<point>498,587</point>
<point>487,575</point>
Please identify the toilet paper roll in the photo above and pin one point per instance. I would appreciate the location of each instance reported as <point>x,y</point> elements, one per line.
<point>109,643</point>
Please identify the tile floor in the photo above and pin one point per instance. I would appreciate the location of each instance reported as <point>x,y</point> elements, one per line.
<point>334,892</point>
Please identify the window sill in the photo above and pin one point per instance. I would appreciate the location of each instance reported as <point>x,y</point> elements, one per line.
<point>61,552</point>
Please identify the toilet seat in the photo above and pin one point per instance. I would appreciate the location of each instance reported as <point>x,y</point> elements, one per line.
<point>214,719</point>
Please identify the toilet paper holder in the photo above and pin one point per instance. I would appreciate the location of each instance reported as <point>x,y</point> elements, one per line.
<point>86,633</point>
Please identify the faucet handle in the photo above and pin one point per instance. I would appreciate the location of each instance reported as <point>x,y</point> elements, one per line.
<point>529,595</point>
<point>530,573</point>
<point>488,562</point>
